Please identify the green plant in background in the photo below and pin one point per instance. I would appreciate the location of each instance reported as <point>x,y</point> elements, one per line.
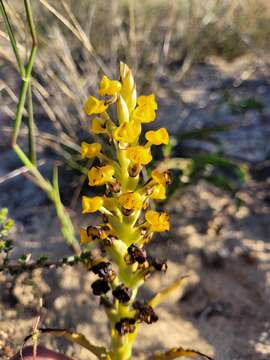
<point>212,166</point>
<point>25,96</point>
<point>6,243</point>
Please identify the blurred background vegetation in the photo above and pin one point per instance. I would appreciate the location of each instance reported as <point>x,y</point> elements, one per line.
<point>160,40</point>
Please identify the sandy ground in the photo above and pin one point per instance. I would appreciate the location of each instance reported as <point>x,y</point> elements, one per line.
<point>223,310</point>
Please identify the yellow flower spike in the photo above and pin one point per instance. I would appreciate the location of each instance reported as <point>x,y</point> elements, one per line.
<point>130,201</point>
<point>139,155</point>
<point>144,113</point>
<point>90,150</point>
<point>109,87</point>
<point>128,90</point>
<point>98,126</point>
<point>127,132</point>
<point>94,106</point>
<point>148,100</point>
<point>157,137</point>
<point>161,177</point>
<point>158,221</point>
<point>100,175</point>
<point>90,205</point>
<point>84,238</point>
<point>158,192</point>
<point>122,110</point>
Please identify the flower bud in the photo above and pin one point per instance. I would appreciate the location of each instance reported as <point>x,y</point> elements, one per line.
<point>122,111</point>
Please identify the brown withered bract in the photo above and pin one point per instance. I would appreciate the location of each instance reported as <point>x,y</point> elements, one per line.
<point>136,253</point>
<point>103,269</point>
<point>125,325</point>
<point>157,264</point>
<point>122,293</point>
<point>100,287</point>
<point>145,312</point>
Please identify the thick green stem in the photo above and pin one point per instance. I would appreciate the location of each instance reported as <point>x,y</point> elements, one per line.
<point>121,346</point>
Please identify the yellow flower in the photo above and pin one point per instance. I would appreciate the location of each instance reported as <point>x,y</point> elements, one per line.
<point>98,126</point>
<point>144,113</point>
<point>158,221</point>
<point>90,150</point>
<point>127,132</point>
<point>90,205</point>
<point>100,175</point>
<point>94,106</point>
<point>157,137</point>
<point>109,87</point>
<point>161,177</point>
<point>139,155</point>
<point>148,100</point>
<point>130,201</point>
<point>84,238</point>
<point>158,192</point>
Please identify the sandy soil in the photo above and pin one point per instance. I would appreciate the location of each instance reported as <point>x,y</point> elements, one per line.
<point>223,310</point>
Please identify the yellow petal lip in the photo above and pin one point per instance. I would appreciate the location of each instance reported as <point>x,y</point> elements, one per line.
<point>84,238</point>
<point>144,113</point>
<point>161,177</point>
<point>94,106</point>
<point>148,100</point>
<point>109,87</point>
<point>91,204</point>
<point>158,192</point>
<point>157,137</point>
<point>130,201</point>
<point>158,222</point>
<point>90,150</point>
<point>127,132</point>
<point>98,126</point>
<point>100,175</point>
<point>139,155</point>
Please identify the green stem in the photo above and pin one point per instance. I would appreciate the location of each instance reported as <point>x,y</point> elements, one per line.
<point>30,20</point>
<point>67,226</point>
<point>31,127</point>
<point>12,38</point>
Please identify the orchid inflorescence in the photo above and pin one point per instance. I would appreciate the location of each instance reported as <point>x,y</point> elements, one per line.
<point>129,223</point>
<point>119,258</point>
